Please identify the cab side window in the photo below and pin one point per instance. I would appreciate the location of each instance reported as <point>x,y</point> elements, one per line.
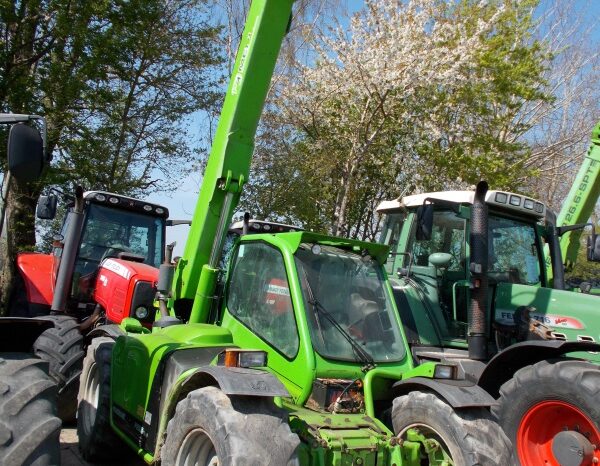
<point>448,236</point>
<point>259,296</point>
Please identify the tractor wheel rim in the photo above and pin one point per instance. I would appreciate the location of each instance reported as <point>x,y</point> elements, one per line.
<point>91,397</point>
<point>442,457</point>
<point>197,449</point>
<point>541,425</point>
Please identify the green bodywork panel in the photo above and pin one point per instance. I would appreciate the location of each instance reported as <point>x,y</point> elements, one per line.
<point>581,200</point>
<point>573,315</point>
<point>136,358</point>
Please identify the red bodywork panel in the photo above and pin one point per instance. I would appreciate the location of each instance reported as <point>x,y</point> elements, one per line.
<point>115,285</point>
<point>37,272</point>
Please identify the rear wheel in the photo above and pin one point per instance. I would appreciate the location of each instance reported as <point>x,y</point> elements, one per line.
<point>29,428</point>
<point>551,412</point>
<point>97,441</point>
<point>62,347</point>
<point>211,429</point>
<point>466,437</point>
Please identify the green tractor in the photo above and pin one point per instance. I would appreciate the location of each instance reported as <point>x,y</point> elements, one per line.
<point>300,360</point>
<point>472,288</point>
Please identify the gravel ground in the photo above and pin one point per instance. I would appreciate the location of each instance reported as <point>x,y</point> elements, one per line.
<point>69,451</point>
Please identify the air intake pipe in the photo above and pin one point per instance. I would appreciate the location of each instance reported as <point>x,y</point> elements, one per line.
<point>478,241</point>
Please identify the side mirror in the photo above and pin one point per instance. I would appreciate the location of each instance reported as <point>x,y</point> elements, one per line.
<point>25,153</point>
<point>593,248</point>
<point>424,222</point>
<point>46,207</point>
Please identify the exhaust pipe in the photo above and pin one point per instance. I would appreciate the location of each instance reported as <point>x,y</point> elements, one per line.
<point>64,278</point>
<point>479,280</point>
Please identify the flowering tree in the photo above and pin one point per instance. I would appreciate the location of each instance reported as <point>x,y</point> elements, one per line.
<point>416,94</point>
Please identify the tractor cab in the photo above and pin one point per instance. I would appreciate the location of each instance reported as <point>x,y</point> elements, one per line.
<point>431,256</point>
<point>97,226</point>
<point>114,226</point>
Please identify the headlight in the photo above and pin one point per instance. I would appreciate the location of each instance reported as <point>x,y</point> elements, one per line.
<point>141,312</point>
<point>234,357</point>
<point>444,372</point>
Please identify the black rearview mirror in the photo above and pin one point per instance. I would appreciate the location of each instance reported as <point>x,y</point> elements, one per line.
<point>424,222</point>
<point>25,153</point>
<point>593,247</point>
<point>46,207</point>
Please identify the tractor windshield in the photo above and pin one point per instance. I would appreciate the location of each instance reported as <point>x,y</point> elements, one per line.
<point>107,232</point>
<point>347,305</point>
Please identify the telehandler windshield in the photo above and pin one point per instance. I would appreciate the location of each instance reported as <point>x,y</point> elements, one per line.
<point>347,305</point>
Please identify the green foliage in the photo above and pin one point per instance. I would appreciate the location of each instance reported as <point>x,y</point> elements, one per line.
<point>114,79</point>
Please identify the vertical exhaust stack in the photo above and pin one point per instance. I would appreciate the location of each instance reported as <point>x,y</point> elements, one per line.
<point>479,280</point>
<point>71,242</point>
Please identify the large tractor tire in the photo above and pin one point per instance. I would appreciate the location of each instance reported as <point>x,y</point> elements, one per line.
<point>210,429</point>
<point>467,437</point>
<point>97,441</point>
<point>551,412</point>
<point>62,347</point>
<point>29,428</point>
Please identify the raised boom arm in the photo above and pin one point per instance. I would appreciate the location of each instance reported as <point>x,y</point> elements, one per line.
<point>581,200</point>
<point>231,153</point>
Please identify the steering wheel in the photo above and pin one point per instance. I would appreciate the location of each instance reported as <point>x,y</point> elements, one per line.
<point>114,250</point>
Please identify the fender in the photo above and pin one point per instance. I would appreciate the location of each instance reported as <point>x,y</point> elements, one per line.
<point>112,331</point>
<point>504,364</point>
<point>457,393</point>
<point>236,381</point>
<point>17,334</point>
<point>170,385</point>
<point>36,271</point>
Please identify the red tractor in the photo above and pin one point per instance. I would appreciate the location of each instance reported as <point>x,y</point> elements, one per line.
<point>104,236</point>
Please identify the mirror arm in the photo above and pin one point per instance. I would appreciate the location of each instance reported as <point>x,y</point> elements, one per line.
<point>578,226</point>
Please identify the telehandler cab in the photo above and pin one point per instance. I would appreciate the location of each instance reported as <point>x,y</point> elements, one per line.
<point>300,361</point>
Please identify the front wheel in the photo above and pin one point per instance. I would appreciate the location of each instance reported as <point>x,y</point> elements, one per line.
<point>62,347</point>
<point>551,411</point>
<point>97,441</point>
<point>211,429</point>
<point>466,437</point>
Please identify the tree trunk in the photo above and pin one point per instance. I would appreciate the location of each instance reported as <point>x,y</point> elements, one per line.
<point>20,234</point>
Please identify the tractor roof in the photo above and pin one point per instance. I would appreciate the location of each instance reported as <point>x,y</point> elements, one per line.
<point>125,202</point>
<point>500,199</point>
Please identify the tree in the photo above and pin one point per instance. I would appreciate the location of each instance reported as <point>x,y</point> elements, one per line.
<point>411,96</point>
<point>114,80</point>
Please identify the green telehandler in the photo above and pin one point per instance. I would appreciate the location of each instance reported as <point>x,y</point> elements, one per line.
<point>301,360</point>
<point>472,288</point>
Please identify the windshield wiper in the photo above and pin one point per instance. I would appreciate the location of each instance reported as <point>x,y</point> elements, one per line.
<point>363,356</point>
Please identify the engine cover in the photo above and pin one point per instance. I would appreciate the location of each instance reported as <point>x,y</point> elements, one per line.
<point>123,286</point>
